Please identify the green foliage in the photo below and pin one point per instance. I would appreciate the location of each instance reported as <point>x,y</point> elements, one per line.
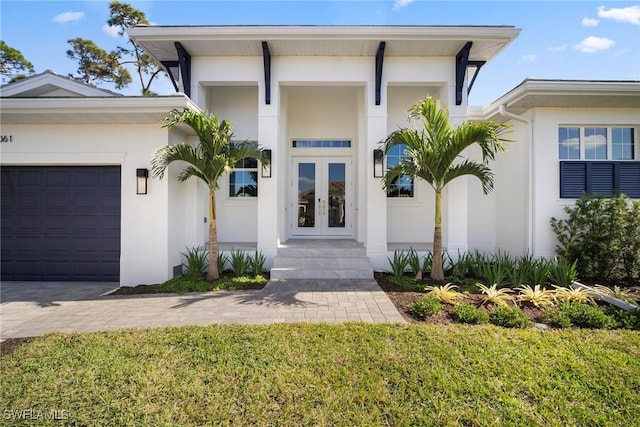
<point>195,262</point>
<point>257,263</point>
<point>603,236</point>
<point>494,295</point>
<point>558,318</point>
<point>413,260</point>
<point>426,306</point>
<point>537,296</point>
<point>562,272</point>
<point>12,62</point>
<point>221,261</point>
<point>399,263</point>
<point>240,262</point>
<point>96,64</point>
<point>445,293</point>
<point>463,265</point>
<point>624,319</point>
<point>509,317</point>
<point>574,295</point>
<point>538,272</point>
<point>582,315</point>
<point>495,270</point>
<point>180,285</point>
<point>628,295</point>
<point>427,261</point>
<point>406,282</point>
<point>467,313</point>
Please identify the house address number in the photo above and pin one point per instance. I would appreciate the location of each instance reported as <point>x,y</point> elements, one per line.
<point>6,138</point>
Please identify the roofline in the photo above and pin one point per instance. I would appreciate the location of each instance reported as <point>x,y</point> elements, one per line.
<point>69,79</point>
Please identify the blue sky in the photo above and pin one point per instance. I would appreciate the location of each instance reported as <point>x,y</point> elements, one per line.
<point>595,40</point>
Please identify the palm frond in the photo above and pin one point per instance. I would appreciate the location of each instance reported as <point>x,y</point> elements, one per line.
<point>469,167</point>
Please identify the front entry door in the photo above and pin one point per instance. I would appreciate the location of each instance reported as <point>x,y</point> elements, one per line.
<point>322,202</point>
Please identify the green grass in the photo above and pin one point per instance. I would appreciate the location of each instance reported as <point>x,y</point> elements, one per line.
<point>317,375</point>
<point>193,284</point>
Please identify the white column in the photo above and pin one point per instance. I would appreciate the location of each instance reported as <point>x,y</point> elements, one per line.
<point>376,198</point>
<point>268,197</point>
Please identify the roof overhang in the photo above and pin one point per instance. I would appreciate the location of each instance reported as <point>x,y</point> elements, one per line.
<point>159,41</point>
<point>535,93</point>
<point>91,110</point>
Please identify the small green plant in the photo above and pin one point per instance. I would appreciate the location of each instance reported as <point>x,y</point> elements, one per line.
<point>399,262</point>
<point>425,306</point>
<point>624,319</point>
<point>509,317</point>
<point>629,295</point>
<point>494,295</point>
<point>427,260</point>
<point>562,272</point>
<point>582,315</point>
<point>257,263</point>
<point>558,318</point>
<point>467,313</point>
<point>413,260</point>
<point>240,262</point>
<point>445,293</point>
<point>574,295</point>
<point>536,296</point>
<point>463,265</point>
<point>494,270</point>
<point>222,260</point>
<point>406,282</point>
<point>538,272</point>
<point>195,262</point>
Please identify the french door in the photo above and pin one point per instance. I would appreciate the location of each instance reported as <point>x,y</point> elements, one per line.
<point>321,197</point>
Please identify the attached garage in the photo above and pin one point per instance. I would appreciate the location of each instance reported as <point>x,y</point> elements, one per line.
<point>60,223</point>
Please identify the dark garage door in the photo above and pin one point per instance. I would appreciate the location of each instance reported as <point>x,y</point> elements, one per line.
<point>60,223</point>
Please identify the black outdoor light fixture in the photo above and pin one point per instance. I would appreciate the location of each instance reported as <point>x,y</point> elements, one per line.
<point>142,176</point>
<point>378,166</point>
<point>266,166</point>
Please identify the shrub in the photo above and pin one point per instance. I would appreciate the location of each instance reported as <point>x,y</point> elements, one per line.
<point>257,263</point>
<point>239,262</point>
<point>494,295</point>
<point>444,293</point>
<point>537,296</point>
<point>602,235</point>
<point>399,262</point>
<point>624,319</point>
<point>538,272</point>
<point>222,261</point>
<point>413,260</point>
<point>463,265</point>
<point>558,318</point>
<point>195,262</point>
<point>425,306</point>
<point>583,315</point>
<point>467,313</point>
<point>494,271</point>
<point>509,317</point>
<point>562,272</point>
<point>574,295</point>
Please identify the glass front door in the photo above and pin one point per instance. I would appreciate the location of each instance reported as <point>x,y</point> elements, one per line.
<point>322,189</point>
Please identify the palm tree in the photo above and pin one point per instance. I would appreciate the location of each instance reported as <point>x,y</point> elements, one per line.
<point>432,153</point>
<point>214,155</point>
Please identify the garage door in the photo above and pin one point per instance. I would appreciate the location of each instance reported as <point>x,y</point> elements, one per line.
<point>60,223</point>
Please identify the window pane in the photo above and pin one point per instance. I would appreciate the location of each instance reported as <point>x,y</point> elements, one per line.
<point>243,184</point>
<point>569,143</point>
<point>403,186</point>
<point>595,143</point>
<point>320,143</point>
<point>622,143</point>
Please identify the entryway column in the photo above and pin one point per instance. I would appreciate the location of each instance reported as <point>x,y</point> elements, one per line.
<point>268,195</point>
<point>376,198</point>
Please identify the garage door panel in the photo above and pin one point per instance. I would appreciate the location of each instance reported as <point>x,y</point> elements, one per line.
<point>55,226</point>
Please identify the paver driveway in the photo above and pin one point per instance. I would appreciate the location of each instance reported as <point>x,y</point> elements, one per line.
<point>34,308</point>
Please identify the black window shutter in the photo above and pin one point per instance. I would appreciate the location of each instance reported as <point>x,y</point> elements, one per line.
<point>573,179</point>
<point>629,173</point>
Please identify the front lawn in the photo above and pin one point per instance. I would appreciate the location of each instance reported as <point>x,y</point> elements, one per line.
<point>310,374</point>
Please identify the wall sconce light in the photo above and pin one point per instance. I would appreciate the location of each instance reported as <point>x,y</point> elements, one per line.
<point>142,176</point>
<point>266,167</point>
<point>378,166</point>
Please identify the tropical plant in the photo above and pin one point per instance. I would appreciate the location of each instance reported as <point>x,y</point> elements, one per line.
<point>257,263</point>
<point>538,296</point>
<point>445,293</point>
<point>195,262</point>
<point>399,262</point>
<point>463,265</point>
<point>413,260</point>
<point>427,260</point>
<point>509,317</point>
<point>467,313</point>
<point>425,306</point>
<point>538,272</point>
<point>519,274</point>
<point>240,262</point>
<point>569,294</point>
<point>495,270</point>
<point>214,156</point>
<point>494,295</point>
<point>222,261</point>
<point>434,154</point>
<point>629,295</point>
<point>562,272</point>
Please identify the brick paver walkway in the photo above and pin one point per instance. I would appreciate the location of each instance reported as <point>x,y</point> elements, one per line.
<point>31,309</point>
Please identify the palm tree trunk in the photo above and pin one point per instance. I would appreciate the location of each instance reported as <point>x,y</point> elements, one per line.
<point>212,271</point>
<point>437,272</point>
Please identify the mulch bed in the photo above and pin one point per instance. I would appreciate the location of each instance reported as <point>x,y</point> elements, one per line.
<point>7,346</point>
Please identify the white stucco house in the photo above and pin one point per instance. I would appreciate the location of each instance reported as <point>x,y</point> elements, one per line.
<point>319,98</point>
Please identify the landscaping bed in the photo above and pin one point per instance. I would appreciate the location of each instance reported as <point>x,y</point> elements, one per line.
<point>228,280</point>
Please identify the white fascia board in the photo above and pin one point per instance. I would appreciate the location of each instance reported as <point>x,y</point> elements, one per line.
<point>30,83</point>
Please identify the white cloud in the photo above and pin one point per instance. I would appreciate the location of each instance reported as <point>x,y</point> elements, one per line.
<point>559,48</point>
<point>112,31</point>
<point>629,14</point>
<point>531,57</point>
<point>590,22</point>
<point>594,44</point>
<point>63,18</point>
<point>401,3</point>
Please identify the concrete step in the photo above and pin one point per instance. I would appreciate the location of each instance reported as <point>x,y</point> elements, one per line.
<point>336,252</point>
<point>306,273</point>
<point>336,263</point>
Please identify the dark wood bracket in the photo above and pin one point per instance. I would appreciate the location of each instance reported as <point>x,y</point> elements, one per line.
<point>379,61</point>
